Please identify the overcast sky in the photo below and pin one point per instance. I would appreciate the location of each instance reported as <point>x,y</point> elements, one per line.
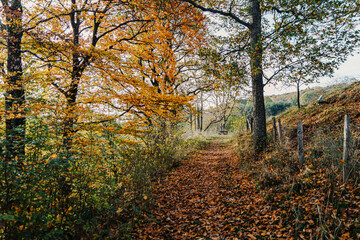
<point>351,68</point>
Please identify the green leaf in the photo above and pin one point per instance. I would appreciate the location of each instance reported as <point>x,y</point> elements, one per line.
<point>7,217</point>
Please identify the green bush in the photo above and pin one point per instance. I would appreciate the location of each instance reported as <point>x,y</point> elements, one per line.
<point>273,109</point>
<point>95,192</point>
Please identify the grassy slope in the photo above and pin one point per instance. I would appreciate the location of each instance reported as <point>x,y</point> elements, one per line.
<point>318,205</point>
<point>338,103</point>
<point>327,117</point>
<point>306,95</point>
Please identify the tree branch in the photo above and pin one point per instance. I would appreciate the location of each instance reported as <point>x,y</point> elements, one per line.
<point>216,11</point>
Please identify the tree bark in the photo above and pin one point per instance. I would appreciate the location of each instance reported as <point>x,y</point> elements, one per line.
<point>256,53</point>
<point>197,117</point>
<point>298,93</point>
<point>191,122</point>
<point>247,123</point>
<point>79,64</point>
<point>201,111</point>
<point>15,92</point>
<point>15,121</point>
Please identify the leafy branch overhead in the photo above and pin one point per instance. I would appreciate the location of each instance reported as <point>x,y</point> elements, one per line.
<point>281,36</point>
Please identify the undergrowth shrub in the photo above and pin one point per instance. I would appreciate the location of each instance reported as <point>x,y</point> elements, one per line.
<point>95,192</point>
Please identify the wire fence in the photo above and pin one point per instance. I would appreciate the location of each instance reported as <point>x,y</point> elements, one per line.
<point>344,139</point>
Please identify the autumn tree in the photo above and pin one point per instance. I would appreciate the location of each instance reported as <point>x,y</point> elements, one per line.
<point>73,36</point>
<point>167,57</point>
<point>100,74</point>
<point>286,19</point>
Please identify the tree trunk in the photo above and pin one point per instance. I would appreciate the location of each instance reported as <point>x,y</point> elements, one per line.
<point>197,125</point>
<point>256,76</point>
<point>78,66</point>
<point>247,123</point>
<point>15,120</point>
<point>298,93</point>
<point>191,122</point>
<point>71,96</point>
<point>69,130</point>
<point>15,92</point>
<point>201,112</point>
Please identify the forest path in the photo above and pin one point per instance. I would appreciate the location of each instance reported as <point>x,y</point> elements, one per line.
<point>206,198</point>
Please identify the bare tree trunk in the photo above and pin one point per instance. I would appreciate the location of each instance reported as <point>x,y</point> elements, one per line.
<point>201,112</point>
<point>298,93</point>
<point>191,121</point>
<point>15,120</point>
<point>195,120</point>
<point>71,96</point>
<point>69,128</point>
<point>256,52</point>
<point>247,123</point>
<point>197,117</point>
<point>15,92</point>
<point>79,64</point>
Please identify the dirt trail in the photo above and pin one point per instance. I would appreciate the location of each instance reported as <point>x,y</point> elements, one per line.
<point>205,198</point>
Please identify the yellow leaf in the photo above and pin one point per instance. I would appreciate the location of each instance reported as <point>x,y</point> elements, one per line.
<point>72,195</point>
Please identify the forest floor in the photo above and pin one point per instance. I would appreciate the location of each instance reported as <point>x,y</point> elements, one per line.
<point>223,192</point>
<point>209,197</point>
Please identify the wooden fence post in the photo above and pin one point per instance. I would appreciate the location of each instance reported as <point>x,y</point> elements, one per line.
<point>274,129</point>
<point>300,133</point>
<point>279,131</point>
<point>346,151</point>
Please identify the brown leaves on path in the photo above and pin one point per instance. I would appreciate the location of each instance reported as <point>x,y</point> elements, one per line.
<point>208,197</point>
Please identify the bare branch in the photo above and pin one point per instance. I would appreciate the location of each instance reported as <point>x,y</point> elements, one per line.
<point>59,88</point>
<point>216,11</point>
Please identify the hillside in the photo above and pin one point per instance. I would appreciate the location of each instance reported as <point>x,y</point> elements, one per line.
<point>276,104</point>
<point>329,115</point>
<point>342,101</point>
<point>307,95</point>
<point>314,201</point>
